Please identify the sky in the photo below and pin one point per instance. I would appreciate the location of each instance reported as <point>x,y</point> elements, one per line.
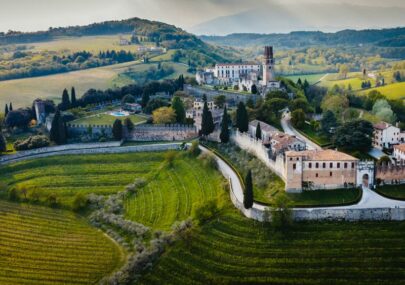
<point>33,15</point>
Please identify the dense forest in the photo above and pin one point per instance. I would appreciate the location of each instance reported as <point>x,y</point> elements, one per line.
<point>384,38</point>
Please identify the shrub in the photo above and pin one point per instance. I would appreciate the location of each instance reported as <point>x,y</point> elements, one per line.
<point>194,149</point>
<point>80,202</point>
<point>52,200</point>
<point>206,212</point>
<point>170,156</point>
<point>208,160</point>
<point>34,195</point>
<point>13,194</point>
<point>32,142</point>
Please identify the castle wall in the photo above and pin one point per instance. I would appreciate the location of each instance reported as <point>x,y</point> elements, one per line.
<point>390,174</point>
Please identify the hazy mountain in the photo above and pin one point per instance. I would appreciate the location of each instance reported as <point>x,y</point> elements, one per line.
<point>276,18</point>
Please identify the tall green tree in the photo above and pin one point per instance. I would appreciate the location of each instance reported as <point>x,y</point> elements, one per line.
<point>354,136</point>
<point>207,122</point>
<point>58,129</point>
<point>248,194</point>
<point>73,97</point>
<point>6,111</point>
<point>65,100</point>
<point>117,130</point>
<point>242,118</point>
<point>298,118</point>
<point>224,135</point>
<point>3,142</point>
<point>145,99</point>
<point>328,122</point>
<point>10,108</point>
<point>258,131</point>
<point>254,89</point>
<point>178,107</point>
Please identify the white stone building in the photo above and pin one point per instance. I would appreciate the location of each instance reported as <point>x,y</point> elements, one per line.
<point>386,135</point>
<point>399,153</point>
<point>267,130</point>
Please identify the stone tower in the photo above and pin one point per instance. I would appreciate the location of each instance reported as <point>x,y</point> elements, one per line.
<point>268,66</point>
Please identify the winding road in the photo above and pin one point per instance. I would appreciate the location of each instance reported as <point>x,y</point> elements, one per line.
<point>289,129</point>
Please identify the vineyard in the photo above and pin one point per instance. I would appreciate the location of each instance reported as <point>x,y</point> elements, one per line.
<point>171,195</point>
<point>235,250</point>
<point>64,176</point>
<point>44,246</point>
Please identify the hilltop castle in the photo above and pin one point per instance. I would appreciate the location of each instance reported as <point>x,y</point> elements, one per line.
<point>243,75</point>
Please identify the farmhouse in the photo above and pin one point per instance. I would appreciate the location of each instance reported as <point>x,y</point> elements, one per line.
<point>281,142</point>
<point>386,135</point>
<point>319,169</point>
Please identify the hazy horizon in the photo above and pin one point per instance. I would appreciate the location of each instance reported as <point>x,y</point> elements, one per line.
<point>191,15</point>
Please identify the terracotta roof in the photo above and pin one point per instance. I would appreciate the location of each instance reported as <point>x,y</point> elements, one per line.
<point>284,139</point>
<point>321,155</point>
<point>263,126</point>
<point>382,126</point>
<point>400,147</point>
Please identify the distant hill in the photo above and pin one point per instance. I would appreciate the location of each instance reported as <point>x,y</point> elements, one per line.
<point>163,34</point>
<point>284,16</point>
<point>384,38</point>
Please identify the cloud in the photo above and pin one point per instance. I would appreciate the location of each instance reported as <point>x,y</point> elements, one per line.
<point>29,15</point>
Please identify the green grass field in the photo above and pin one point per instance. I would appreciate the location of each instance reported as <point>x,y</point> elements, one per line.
<point>93,44</point>
<point>44,246</point>
<point>172,194</point>
<point>65,176</point>
<point>391,91</point>
<point>393,191</point>
<point>311,78</point>
<point>235,250</point>
<point>106,119</point>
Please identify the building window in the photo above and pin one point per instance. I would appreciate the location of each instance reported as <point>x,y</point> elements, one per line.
<point>324,165</point>
<point>294,166</point>
<point>317,165</point>
<point>331,165</point>
<point>290,158</point>
<point>338,165</point>
<point>310,165</point>
<point>330,174</point>
<point>345,164</point>
<point>352,164</point>
<point>316,175</point>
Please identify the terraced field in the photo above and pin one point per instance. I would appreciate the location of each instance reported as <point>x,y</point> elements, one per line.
<point>44,246</point>
<point>172,193</point>
<point>235,250</point>
<point>65,176</point>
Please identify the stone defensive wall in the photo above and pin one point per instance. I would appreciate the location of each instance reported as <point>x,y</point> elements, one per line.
<point>172,132</point>
<point>390,173</point>
<point>232,97</point>
<point>77,130</point>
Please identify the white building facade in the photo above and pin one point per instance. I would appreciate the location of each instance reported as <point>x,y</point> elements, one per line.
<point>386,136</point>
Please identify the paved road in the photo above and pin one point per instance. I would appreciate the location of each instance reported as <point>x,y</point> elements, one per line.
<point>289,129</point>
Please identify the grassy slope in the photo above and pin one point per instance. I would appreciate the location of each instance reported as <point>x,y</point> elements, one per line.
<point>393,191</point>
<point>391,91</point>
<point>173,193</point>
<point>233,249</point>
<point>106,119</point>
<point>44,246</point>
<point>311,78</point>
<point>67,175</point>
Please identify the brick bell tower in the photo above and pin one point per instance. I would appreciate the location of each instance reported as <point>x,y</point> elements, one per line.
<point>268,65</point>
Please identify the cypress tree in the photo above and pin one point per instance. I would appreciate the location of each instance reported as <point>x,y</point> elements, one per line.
<point>178,107</point>
<point>65,100</point>
<point>58,129</point>
<point>117,130</point>
<point>242,119</point>
<point>258,132</point>
<point>3,142</point>
<point>224,135</point>
<point>207,123</point>
<point>6,111</point>
<point>248,194</point>
<point>145,99</point>
<point>10,108</point>
<point>73,97</point>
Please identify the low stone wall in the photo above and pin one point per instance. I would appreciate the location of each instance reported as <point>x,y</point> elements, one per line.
<point>78,130</point>
<point>351,215</point>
